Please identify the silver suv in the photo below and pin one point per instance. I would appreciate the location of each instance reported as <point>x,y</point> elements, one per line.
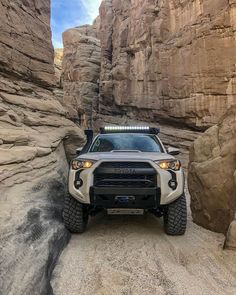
<point>126,170</point>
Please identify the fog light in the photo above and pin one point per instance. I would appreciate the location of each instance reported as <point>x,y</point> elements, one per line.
<point>78,183</point>
<point>173,184</point>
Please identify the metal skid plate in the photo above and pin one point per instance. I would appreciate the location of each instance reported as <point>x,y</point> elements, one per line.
<point>125,211</point>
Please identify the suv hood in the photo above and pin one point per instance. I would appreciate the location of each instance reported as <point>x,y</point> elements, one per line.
<point>124,156</point>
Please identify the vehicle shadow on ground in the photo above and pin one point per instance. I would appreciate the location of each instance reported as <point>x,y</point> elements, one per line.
<point>123,223</point>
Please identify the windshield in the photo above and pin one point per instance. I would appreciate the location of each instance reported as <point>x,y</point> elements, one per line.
<point>126,142</point>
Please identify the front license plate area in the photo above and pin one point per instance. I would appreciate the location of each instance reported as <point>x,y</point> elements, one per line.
<point>125,199</point>
<point>125,211</point>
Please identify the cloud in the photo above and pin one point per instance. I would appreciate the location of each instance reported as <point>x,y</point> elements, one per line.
<point>69,14</point>
<point>92,7</point>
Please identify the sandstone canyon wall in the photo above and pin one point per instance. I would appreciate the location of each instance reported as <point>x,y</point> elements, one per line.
<point>58,58</point>
<point>163,61</point>
<point>25,41</point>
<point>81,72</point>
<point>36,138</point>
<point>168,60</point>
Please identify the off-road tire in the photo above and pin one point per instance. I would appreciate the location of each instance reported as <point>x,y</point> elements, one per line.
<point>175,217</point>
<point>75,215</point>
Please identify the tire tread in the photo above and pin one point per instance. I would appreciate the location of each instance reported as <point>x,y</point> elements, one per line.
<point>74,215</point>
<point>175,217</point>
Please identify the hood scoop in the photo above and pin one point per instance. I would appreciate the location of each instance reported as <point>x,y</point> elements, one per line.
<point>125,151</point>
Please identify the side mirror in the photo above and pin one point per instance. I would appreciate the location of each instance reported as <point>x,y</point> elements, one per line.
<point>173,151</point>
<point>78,151</point>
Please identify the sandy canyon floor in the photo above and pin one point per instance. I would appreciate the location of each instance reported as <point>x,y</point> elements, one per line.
<point>132,255</point>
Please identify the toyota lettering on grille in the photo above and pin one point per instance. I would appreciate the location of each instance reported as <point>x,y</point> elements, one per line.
<point>125,171</point>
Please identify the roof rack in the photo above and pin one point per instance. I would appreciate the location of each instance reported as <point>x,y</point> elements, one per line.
<point>129,129</point>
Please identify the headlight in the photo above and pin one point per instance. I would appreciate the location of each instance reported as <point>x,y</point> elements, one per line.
<point>81,164</point>
<point>169,164</point>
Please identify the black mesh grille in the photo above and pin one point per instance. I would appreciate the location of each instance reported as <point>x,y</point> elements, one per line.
<point>134,180</point>
<point>125,165</point>
<point>125,180</point>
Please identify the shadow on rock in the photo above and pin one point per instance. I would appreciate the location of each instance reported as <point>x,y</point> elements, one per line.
<point>32,239</point>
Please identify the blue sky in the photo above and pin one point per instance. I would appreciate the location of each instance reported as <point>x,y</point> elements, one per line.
<point>67,14</point>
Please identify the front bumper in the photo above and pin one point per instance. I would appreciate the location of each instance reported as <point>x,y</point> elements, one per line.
<point>113,197</point>
<point>145,197</point>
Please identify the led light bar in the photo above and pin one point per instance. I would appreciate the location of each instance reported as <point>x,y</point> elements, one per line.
<point>126,128</point>
<point>129,129</point>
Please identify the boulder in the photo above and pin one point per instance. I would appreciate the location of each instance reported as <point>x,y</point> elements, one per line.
<point>230,242</point>
<point>211,177</point>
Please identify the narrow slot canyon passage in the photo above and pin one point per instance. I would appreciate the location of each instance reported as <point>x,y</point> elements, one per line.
<point>66,66</point>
